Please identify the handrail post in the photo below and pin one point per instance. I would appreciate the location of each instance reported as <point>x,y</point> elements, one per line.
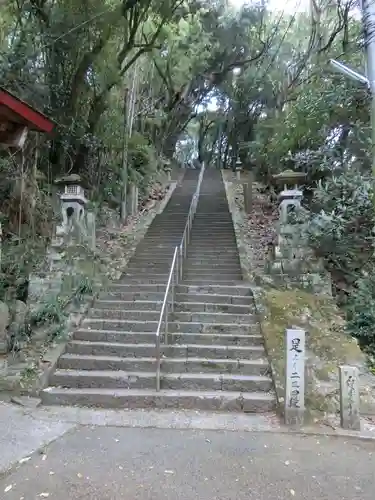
<point>181,261</point>
<point>166,324</point>
<point>158,361</point>
<point>172,289</point>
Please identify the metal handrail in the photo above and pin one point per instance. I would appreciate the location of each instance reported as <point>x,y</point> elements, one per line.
<point>175,274</point>
<point>172,281</point>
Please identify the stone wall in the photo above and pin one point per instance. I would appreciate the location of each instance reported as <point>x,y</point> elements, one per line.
<point>283,303</point>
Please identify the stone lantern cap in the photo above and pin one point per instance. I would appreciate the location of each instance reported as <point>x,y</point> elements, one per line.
<point>289,177</point>
<point>73,190</point>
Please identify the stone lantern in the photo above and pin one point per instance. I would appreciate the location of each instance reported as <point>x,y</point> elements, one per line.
<point>290,198</point>
<point>73,204</point>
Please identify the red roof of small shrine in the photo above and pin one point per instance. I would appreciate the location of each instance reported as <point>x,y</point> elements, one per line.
<point>15,110</point>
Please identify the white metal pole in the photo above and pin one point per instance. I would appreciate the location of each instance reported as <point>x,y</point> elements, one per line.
<point>368,17</point>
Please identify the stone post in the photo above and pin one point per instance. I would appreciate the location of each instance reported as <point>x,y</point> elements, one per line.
<point>295,377</point>
<point>349,397</point>
<point>238,169</point>
<point>91,230</point>
<point>133,199</point>
<point>4,322</point>
<point>248,196</point>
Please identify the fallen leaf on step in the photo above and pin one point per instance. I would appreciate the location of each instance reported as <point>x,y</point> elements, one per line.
<point>8,488</point>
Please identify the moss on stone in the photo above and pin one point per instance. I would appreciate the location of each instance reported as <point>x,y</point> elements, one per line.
<point>326,342</point>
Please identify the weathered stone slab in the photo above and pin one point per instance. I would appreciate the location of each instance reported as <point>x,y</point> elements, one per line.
<point>91,230</point>
<point>4,322</point>
<point>3,366</point>
<point>295,376</point>
<point>349,397</point>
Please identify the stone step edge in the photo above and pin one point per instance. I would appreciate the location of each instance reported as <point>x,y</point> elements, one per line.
<point>177,303</point>
<point>96,343</point>
<point>136,321</point>
<point>213,334</point>
<point>114,374</point>
<point>238,284</point>
<point>251,402</point>
<point>261,362</point>
<point>200,313</point>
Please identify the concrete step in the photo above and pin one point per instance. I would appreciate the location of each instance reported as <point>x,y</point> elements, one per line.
<point>220,318</point>
<point>223,264</point>
<point>211,254</point>
<point>132,296</point>
<point>186,351</point>
<point>137,288</point>
<point>124,314</point>
<point>197,262</point>
<point>207,283</point>
<point>212,307</point>
<point>124,305</point>
<point>218,218</point>
<point>158,247</point>
<point>249,337</point>
<point>169,365</point>
<point>127,398</point>
<point>210,276</point>
<point>132,280</point>
<point>232,290</point>
<point>214,298</point>
<point>165,245</point>
<point>192,266</point>
<point>160,233</point>
<point>152,253</point>
<point>119,325</point>
<point>154,270</point>
<point>198,228</point>
<point>146,262</point>
<point>211,241</point>
<point>221,222</point>
<point>145,273</point>
<point>110,379</point>
<point>209,227</point>
<point>160,259</point>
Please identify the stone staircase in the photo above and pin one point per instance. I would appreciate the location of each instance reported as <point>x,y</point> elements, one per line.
<point>215,358</point>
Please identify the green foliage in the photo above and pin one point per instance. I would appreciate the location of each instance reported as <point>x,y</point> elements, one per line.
<point>361,312</point>
<point>341,231</point>
<point>50,312</point>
